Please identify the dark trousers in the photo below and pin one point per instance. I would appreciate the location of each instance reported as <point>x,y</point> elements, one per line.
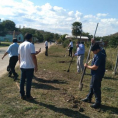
<point>95,88</point>
<point>46,51</point>
<point>12,63</point>
<point>26,74</point>
<point>70,51</point>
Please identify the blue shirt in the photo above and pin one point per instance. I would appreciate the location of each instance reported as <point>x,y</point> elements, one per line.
<point>99,60</point>
<point>80,50</point>
<point>13,50</point>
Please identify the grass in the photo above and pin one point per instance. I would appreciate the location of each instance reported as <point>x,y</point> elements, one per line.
<point>56,91</point>
<point>5,44</point>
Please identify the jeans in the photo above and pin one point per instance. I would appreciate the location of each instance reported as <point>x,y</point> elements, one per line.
<point>26,74</point>
<point>95,88</point>
<point>12,63</point>
<point>70,51</point>
<point>46,51</point>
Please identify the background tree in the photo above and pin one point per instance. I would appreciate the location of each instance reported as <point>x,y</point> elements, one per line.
<point>76,28</point>
<point>8,25</point>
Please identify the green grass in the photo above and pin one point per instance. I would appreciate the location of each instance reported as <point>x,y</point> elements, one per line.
<point>56,91</point>
<point>5,44</point>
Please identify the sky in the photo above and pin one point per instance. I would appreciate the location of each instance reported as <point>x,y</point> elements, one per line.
<point>57,16</point>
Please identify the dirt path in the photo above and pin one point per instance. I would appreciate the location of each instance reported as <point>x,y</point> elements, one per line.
<point>5,61</point>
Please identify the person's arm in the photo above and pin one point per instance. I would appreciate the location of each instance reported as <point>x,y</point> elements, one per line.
<point>37,52</point>
<point>94,67</point>
<point>5,54</point>
<point>35,62</point>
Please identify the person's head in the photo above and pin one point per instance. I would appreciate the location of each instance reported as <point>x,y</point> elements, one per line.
<point>70,40</point>
<point>14,40</point>
<point>28,37</point>
<point>95,48</point>
<point>77,44</point>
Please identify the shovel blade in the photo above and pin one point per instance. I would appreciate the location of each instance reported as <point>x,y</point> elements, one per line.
<point>80,86</point>
<point>68,70</point>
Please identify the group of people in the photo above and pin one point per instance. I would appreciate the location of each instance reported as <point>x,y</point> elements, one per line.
<point>26,54</point>
<point>79,53</point>
<point>97,69</point>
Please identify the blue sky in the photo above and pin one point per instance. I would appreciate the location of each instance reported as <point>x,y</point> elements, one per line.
<point>58,15</point>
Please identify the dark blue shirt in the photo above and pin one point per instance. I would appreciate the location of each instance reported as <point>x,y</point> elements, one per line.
<point>99,60</point>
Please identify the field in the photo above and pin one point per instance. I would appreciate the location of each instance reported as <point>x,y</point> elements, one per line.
<point>56,91</point>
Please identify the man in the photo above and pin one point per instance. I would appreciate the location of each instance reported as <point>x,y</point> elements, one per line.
<point>97,72</point>
<point>13,54</point>
<point>70,46</point>
<point>80,56</point>
<point>28,64</point>
<point>101,45</point>
<point>46,48</point>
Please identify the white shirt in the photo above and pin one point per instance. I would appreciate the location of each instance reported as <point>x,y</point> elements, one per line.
<point>71,44</point>
<point>25,50</point>
<point>46,44</point>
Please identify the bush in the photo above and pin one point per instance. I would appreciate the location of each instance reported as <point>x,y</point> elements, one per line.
<point>108,64</point>
<point>65,43</point>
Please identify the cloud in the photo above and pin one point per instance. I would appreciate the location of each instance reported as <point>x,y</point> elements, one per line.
<point>103,15</point>
<point>54,18</point>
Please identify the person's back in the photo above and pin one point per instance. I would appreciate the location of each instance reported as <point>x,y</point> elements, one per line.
<point>13,50</point>
<point>26,49</point>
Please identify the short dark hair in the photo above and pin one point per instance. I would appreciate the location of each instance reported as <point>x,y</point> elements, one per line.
<point>14,40</point>
<point>95,47</point>
<point>82,42</point>
<point>28,36</point>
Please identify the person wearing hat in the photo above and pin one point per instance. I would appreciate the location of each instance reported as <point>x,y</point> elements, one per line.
<point>97,71</point>
<point>13,54</point>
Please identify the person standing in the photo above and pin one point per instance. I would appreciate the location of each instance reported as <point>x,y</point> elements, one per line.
<point>70,46</point>
<point>46,48</point>
<point>13,54</point>
<point>80,56</point>
<point>97,71</point>
<point>28,64</point>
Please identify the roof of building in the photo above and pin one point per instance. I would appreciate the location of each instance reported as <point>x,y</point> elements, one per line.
<point>11,33</point>
<point>82,37</point>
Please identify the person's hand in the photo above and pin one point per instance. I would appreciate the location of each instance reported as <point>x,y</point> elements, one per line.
<point>92,40</point>
<point>2,58</point>
<point>36,69</point>
<point>85,65</point>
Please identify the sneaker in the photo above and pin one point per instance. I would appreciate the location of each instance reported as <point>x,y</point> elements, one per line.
<point>23,97</point>
<point>29,98</point>
<point>96,105</point>
<point>86,100</point>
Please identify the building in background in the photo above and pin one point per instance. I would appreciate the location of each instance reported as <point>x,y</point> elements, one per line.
<point>83,38</point>
<point>9,37</point>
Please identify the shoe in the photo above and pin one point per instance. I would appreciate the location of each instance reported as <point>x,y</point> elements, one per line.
<point>96,105</point>
<point>29,98</point>
<point>9,75</point>
<point>23,97</point>
<point>86,100</point>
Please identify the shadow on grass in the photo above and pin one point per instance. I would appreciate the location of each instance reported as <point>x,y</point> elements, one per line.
<point>65,111</point>
<point>49,81</point>
<point>112,78</point>
<point>108,108</point>
<point>44,86</point>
